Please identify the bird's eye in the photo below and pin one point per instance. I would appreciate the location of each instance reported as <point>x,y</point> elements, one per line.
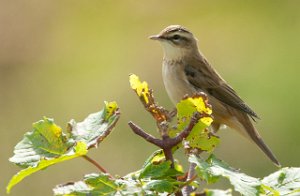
<point>176,37</point>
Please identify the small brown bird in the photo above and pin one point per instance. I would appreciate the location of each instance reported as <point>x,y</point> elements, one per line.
<point>186,71</point>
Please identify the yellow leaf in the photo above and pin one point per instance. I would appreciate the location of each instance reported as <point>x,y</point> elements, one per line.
<point>110,108</point>
<point>206,120</point>
<point>141,88</point>
<point>200,104</point>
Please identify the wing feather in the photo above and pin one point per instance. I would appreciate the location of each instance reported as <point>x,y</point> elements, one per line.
<point>208,80</point>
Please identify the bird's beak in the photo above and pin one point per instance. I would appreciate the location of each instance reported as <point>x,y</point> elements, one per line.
<point>156,37</point>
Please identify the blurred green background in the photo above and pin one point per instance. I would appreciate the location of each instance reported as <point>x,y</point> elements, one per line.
<point>62,59</point>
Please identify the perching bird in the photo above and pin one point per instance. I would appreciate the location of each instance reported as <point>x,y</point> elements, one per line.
<point>186,71</point>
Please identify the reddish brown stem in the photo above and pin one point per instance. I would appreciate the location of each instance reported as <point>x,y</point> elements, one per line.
<point>95,163</point>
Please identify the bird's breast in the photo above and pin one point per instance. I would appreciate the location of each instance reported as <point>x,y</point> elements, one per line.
<point>175,81</point>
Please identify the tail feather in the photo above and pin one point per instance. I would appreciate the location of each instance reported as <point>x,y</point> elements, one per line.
<point>250,130</point>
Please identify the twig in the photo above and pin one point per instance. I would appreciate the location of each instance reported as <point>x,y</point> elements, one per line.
<point>196,116</point>
<point>139,131</point>
<point>187,190</point>
<point>95,163</point>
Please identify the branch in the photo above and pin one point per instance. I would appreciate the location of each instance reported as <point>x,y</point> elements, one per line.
<point>185,133</point>
<point>166,143</point>
<point>139,131</point>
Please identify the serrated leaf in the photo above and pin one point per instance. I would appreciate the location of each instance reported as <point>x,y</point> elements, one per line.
<point>93,184</point>
<point>155,170</point>
<point>199,137</point>
<point>45,140</point>
<point>78,150</point>
<point>101,184</point>
<point>286,181</point>
<point>202,139</point>
<point>47,145</point>
<point>157,167</point>
<point>130,185</point>
<point>216,192</point>
<point>161,186</point>
<point>203,170</point>
<point>214,168</point>
<point>154,180</point>
<point>96,126</point>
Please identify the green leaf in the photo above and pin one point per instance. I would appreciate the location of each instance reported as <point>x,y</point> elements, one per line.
<point>286,181</point>
<point>203,170</point>
<point>102,184</point>
<point>155,177</point>
<point>130,184</point>
<point>211,169</point>
<point>47,145</point>
<point>200,137</point>
<point>45,141</point>
<point>96,126</point>
<point>215,192</point>
<point>93,184</point>
<point>161,186</point>
<point>155,170</point>
<point>157,167</point>
<point>78,150</point>
<point>157,156</point>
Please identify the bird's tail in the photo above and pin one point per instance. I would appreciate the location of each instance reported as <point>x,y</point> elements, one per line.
<point>249,130</point>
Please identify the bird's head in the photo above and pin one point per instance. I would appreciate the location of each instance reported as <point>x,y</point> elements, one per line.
<point>177,41</point>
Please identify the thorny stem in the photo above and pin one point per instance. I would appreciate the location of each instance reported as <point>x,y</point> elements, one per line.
<point>95,163</point>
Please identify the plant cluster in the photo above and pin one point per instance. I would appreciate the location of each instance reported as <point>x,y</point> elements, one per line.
<point>185,128</point>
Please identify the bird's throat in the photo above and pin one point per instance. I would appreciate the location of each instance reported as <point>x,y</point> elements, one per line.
<point>172,53</point>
